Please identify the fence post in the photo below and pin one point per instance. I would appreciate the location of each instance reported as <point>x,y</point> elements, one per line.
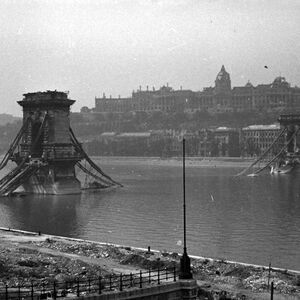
<point>166,274</point>
<point>89,283</point>
<point>54,290</point>
<point>78,292</point>
<point>19,291</point>
<point>99,281</point>
<point>141,279</point>
<point>272,290</point>
<point>121,283</point>
<point>131,280</point>
<point>149,276</point>
<point>32,290</point>
<point>6,292</point>
<point>174,273</point>
<point>158,279</point>
<point>110,287</point>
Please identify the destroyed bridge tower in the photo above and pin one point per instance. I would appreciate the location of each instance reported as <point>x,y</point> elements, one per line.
<point>46,151</point>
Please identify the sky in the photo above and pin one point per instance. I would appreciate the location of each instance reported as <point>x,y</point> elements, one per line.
<point>91,47</point>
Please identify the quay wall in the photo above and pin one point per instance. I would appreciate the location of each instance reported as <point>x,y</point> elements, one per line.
<point>180,290</point>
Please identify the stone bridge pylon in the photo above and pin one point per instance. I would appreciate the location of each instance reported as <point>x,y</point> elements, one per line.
<point>46,151</point>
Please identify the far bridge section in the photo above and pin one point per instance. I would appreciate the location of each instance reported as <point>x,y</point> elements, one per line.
<point>283,153</point>
<point>46,151</point>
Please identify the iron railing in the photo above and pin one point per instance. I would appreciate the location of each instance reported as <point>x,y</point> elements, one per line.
<point>94,285</point>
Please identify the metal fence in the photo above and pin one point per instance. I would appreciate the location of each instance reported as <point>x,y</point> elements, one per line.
<point>81,287</point>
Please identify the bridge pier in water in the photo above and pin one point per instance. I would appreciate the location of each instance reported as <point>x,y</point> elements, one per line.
<point>47,144</point>
<point>292,124</point>
<point>46,150</point>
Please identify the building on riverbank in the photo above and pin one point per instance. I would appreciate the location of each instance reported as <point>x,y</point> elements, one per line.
<point>256,139</point>
<point>248,141</point>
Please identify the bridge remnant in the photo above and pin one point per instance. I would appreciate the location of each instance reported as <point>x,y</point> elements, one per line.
<point>292,124</point>
<point>284,150</point>
<point>46,150</point>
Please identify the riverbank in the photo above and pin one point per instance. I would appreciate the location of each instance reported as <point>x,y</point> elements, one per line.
<point>236,162</point>
<point>26,257</point>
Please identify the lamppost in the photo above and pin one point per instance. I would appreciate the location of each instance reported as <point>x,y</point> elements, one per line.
<point>185,262</point>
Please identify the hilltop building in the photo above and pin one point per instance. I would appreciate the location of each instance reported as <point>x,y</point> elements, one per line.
<point>164,99</point>
<point>277,96</point>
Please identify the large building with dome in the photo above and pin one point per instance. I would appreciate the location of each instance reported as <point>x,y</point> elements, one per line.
<point>277,96</point>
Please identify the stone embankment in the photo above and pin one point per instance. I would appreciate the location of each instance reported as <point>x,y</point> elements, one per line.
<point>28,257</point>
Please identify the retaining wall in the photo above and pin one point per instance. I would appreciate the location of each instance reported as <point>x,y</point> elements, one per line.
<point>180,290</point>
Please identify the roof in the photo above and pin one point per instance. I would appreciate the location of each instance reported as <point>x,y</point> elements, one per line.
<point>262,127</point>
<point>104,134</point>
<point>223,129</point>
<point>134,134</point>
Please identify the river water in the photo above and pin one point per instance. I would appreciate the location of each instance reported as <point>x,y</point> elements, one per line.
<point>247,219</point>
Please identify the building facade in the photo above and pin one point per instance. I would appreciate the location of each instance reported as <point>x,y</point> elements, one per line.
<point>256,139</point>
<point>277,96</point>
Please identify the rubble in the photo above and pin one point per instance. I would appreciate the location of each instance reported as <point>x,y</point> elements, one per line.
<point>51,259</point>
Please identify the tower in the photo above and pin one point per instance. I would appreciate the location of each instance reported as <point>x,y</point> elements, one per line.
<point>222,82</point>
<point>222,91</point>
<point>47,143</point>
<point>46,151</point>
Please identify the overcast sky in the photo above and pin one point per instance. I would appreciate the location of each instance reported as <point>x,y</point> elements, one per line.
<point>91,47</point>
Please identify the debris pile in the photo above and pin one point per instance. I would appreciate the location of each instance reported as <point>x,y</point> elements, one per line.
<point>47,259</point>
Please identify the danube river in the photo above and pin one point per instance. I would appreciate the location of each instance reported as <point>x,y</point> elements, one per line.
<point>247,219</point>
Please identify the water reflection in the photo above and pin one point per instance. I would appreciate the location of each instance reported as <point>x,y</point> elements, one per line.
<point>46,213</point>
<point>253,220</point>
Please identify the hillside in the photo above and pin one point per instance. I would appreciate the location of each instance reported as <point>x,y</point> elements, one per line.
<point>6,118</point>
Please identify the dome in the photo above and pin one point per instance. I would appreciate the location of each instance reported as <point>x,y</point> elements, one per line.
<point>222,74</point>
<point>280,82</point>
<point>223,82</point>
<point>249,84</point>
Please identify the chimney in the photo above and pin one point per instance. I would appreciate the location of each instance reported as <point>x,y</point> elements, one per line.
<point>109,96</point>
<point>181,87</point>
<point>153,89</point>
<point>147,88</point>
<point>119,96</point>
<point>140,88</point>
<point>104,96</point>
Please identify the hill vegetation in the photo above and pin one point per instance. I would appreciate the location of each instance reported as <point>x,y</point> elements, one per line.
<point>88,126</point>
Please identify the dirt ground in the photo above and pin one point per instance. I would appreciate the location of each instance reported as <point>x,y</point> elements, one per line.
<point>25,258</point>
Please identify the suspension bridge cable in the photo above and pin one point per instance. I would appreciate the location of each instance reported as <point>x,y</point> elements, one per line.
<point>280,152</point>
<point>96,167</point>
<point>14,144</point>
<point>264,154</point>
